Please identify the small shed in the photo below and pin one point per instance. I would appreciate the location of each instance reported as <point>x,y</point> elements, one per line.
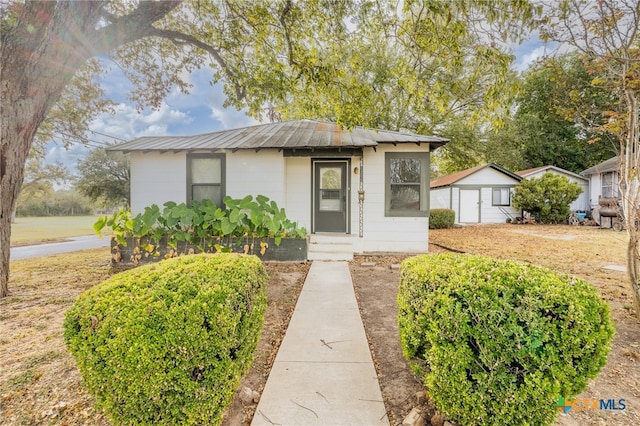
<point>582,203</point>
<point>478,195</point>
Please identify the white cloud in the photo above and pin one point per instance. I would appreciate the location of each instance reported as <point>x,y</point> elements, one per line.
<point>68,157</point>
<point>127,123</point>
<point>529,51</point>
<point>530,57</point>
<point>231,118</point>
<point>208,99</point>
<point>200,111</point>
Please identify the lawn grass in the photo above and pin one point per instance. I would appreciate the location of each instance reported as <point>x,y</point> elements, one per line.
<point>39,382</point>
<point>27,230</point>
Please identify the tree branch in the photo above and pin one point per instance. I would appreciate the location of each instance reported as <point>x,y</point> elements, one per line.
<point>283,16</point>
<point>131,27</point>
<point>182,39</point>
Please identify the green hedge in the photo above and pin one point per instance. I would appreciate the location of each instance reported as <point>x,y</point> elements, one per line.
<point>501,340</point>
<point>168,343</point>
<point>441,218</point>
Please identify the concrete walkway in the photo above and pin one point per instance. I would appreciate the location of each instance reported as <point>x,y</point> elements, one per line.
<point>68,245</point>
<point>323,373</point>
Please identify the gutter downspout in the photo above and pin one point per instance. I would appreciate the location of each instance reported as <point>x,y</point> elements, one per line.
<point>361,198</point>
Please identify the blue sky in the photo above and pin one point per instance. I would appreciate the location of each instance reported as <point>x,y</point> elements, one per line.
<point>201,111</point>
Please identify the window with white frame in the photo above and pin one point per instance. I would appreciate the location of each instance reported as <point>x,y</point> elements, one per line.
<point>406,182</point>
<point>501,197</point>
<point>607,185</point>
<point>205,178</point>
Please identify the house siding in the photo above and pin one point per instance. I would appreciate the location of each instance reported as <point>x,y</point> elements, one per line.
<point>488,174</point>
<point>251,173</point>
<point>161,177</point>
<point>157,178</point>
<point>298,190</point>
<point>493,214</point>
<point>382,233</point>
<point>595,187</point>
<point>440,198</point>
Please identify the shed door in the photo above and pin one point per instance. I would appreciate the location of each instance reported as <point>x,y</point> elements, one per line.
<point>330,196</point>
<point>469,206</point>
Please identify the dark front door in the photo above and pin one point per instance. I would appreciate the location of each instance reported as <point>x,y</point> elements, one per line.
<point>330,196</point>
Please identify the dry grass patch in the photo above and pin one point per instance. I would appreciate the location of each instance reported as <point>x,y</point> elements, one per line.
<point>577,250</point>
<point>39,381</point>
<point>584,252</point>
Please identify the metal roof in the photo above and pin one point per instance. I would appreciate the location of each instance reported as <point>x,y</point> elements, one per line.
<point>528,172</point>
<point>455,177</point>
<point>299,134</point>
<point>610,165</point>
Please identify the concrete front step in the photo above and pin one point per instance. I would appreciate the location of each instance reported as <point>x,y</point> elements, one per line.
<point>321,255</point>
<point>330,247</point>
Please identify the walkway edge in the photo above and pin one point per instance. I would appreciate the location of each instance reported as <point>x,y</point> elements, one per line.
<point>323,373</point>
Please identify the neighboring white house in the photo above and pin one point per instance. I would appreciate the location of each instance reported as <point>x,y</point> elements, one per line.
<point>478,195</point>
<point>582,203</point>
<point>367,190</point>
<point>603,180</point>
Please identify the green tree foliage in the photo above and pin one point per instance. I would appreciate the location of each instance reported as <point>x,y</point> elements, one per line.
<point>56,203</point>
<point>167,344</point>
<point>498,342</point>
<point>606,32</point>
<point>559,113</point>
<point>557,119</point>
<point>464,151</point>
<point>39,179</point>
<point>414,68</point>
<point>547,197</point>
<point>343,60</point>
<point>505,146</point>
<point>105,177</point>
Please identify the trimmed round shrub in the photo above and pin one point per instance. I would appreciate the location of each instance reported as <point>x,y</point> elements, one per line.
<point>498,342</point>
<point>168,343</point>
<point>441,218</point>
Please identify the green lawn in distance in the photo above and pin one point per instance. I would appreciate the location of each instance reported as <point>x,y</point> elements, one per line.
<point>51,228</point>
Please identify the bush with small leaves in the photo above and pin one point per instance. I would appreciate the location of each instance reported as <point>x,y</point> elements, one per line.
<point>441,218</point>
<point>498,342</point>
<point>167,343</point>
<point>548,198</point>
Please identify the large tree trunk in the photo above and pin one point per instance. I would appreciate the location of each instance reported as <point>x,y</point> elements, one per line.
<point>37,60</point>
<point>630,192</point>
<point>39,55</point>
<point>14,151</point>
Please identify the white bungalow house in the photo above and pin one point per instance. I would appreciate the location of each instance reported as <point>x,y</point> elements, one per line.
<point>582,203</point>
<point>358,190</point>
<point>478,195</point>
<point>603,181</point>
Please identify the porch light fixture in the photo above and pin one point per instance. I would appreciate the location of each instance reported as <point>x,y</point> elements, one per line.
<point>356,170</point>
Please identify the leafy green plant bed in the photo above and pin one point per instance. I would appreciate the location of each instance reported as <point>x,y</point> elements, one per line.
<point>245,226</point>
<point>168,343</point>
<point>500,342</point>
<point>144,250</point>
